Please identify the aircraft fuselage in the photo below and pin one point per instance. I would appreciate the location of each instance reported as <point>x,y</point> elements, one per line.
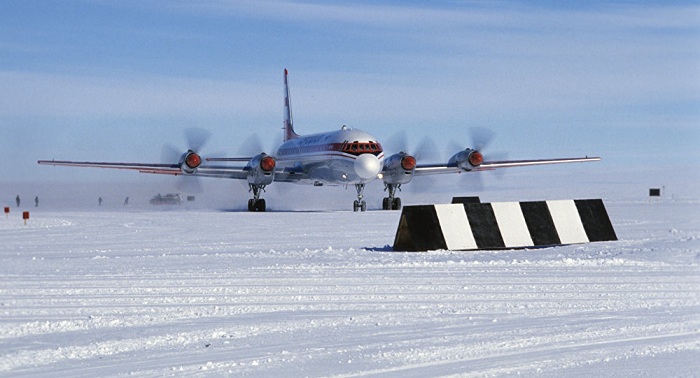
<point>345,156</point>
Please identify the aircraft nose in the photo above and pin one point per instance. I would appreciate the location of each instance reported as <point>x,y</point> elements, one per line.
<point>367,166</point>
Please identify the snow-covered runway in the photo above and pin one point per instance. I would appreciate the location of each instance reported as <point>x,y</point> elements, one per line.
<point>321,293</point>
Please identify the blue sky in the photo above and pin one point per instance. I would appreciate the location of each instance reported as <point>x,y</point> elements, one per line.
<point>116,80</point>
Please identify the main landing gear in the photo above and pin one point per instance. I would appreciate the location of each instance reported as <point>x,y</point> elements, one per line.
<point>256,203</point>
<point>359,203</point>
<point>392,202</point>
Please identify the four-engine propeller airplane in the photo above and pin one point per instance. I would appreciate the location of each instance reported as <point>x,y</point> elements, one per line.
<point>346,157</point>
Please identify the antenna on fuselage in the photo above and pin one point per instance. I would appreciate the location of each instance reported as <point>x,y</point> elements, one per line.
<point>288,122</point>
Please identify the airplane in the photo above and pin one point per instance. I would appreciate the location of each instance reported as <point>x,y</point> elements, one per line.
<point>345,157</point>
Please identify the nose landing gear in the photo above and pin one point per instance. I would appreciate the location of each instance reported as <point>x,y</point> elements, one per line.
<point>359,203</point>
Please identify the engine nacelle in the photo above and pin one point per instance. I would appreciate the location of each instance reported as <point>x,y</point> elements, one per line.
<point>261,169</point>
<point>399,168</point>
<point>467,159</point>
<point>189,162</point>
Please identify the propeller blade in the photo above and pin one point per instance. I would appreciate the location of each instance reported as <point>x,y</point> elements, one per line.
<point>397,142</point>
<point>474,181</point>
<point>481,137</point>
<point>189,184</point>
<point>427,151</point>
<point>455,147</point>
<point>497,156</point>
<point>276,143</point>
<point>170,155</point>
<point>197,138</point>
<point>251,146</point>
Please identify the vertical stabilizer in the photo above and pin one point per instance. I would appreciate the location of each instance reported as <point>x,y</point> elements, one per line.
<point>288,125</point>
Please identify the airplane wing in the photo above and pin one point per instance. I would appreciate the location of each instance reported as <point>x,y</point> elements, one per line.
<point>433,169</point>
<point>219,171</point>
<point>289,174</point>
<point>162,169</point>
<point>168,169</point>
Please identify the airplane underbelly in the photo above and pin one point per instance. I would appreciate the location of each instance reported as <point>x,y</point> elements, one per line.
<point>340,169</point>
<point>334,171</point>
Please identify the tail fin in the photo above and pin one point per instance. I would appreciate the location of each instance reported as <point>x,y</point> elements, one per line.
<point>288,125</point>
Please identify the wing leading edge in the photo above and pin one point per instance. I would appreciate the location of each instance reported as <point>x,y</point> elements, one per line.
<point>230,172</point>
<point>161,169</point>
<point>433,169</point>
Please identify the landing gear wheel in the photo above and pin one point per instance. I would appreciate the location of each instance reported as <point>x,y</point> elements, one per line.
<point>391,203</point>
<point>256,203</point>
<point>256,206</point>
<point>359,205</point>
<point>386,204</point>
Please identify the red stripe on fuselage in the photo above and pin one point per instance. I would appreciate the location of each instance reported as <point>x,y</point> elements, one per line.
<point>306,156</point>
<point>335,147</point>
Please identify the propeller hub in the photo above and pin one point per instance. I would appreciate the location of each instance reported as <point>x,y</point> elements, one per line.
<point>476,158</point>
<point>408,162</point>
<point>267,163</point>
<point>193,160</point>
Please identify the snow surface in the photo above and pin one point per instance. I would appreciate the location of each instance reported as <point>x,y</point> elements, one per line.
<point>194,292</point>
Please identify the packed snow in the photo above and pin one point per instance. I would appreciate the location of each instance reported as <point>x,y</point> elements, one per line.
<point>188,291</point>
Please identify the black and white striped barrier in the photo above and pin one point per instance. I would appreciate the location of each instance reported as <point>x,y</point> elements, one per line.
<point>466,200</point>
<point>502,225</point>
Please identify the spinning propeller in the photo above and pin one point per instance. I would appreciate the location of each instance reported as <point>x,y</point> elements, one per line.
<point>189,161</point>
<point>425,152</point>
<point>253,145</point>
<point>481,138</point>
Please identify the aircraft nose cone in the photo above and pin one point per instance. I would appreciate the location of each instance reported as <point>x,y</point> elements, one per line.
<point>367,166</point>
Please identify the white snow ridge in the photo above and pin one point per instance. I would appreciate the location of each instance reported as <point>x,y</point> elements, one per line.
<point>201,293</point>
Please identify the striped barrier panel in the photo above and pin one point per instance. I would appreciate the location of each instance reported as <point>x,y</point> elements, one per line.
<point>466,200</point>
<point>502,225</point>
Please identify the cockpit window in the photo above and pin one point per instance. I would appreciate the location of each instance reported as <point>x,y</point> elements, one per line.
<point>362,147</point>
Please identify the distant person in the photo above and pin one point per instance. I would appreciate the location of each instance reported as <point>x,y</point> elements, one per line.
<point>126,201</point>
<point>17,200</point>
<point>36,201</point>
<point>99,201</point>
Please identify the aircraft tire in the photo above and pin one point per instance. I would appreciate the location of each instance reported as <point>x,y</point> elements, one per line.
<point>355,205</point>
<point>386,204</point>
<point>396,205</point>
<point>256,206</point>
<point>363,206</point>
